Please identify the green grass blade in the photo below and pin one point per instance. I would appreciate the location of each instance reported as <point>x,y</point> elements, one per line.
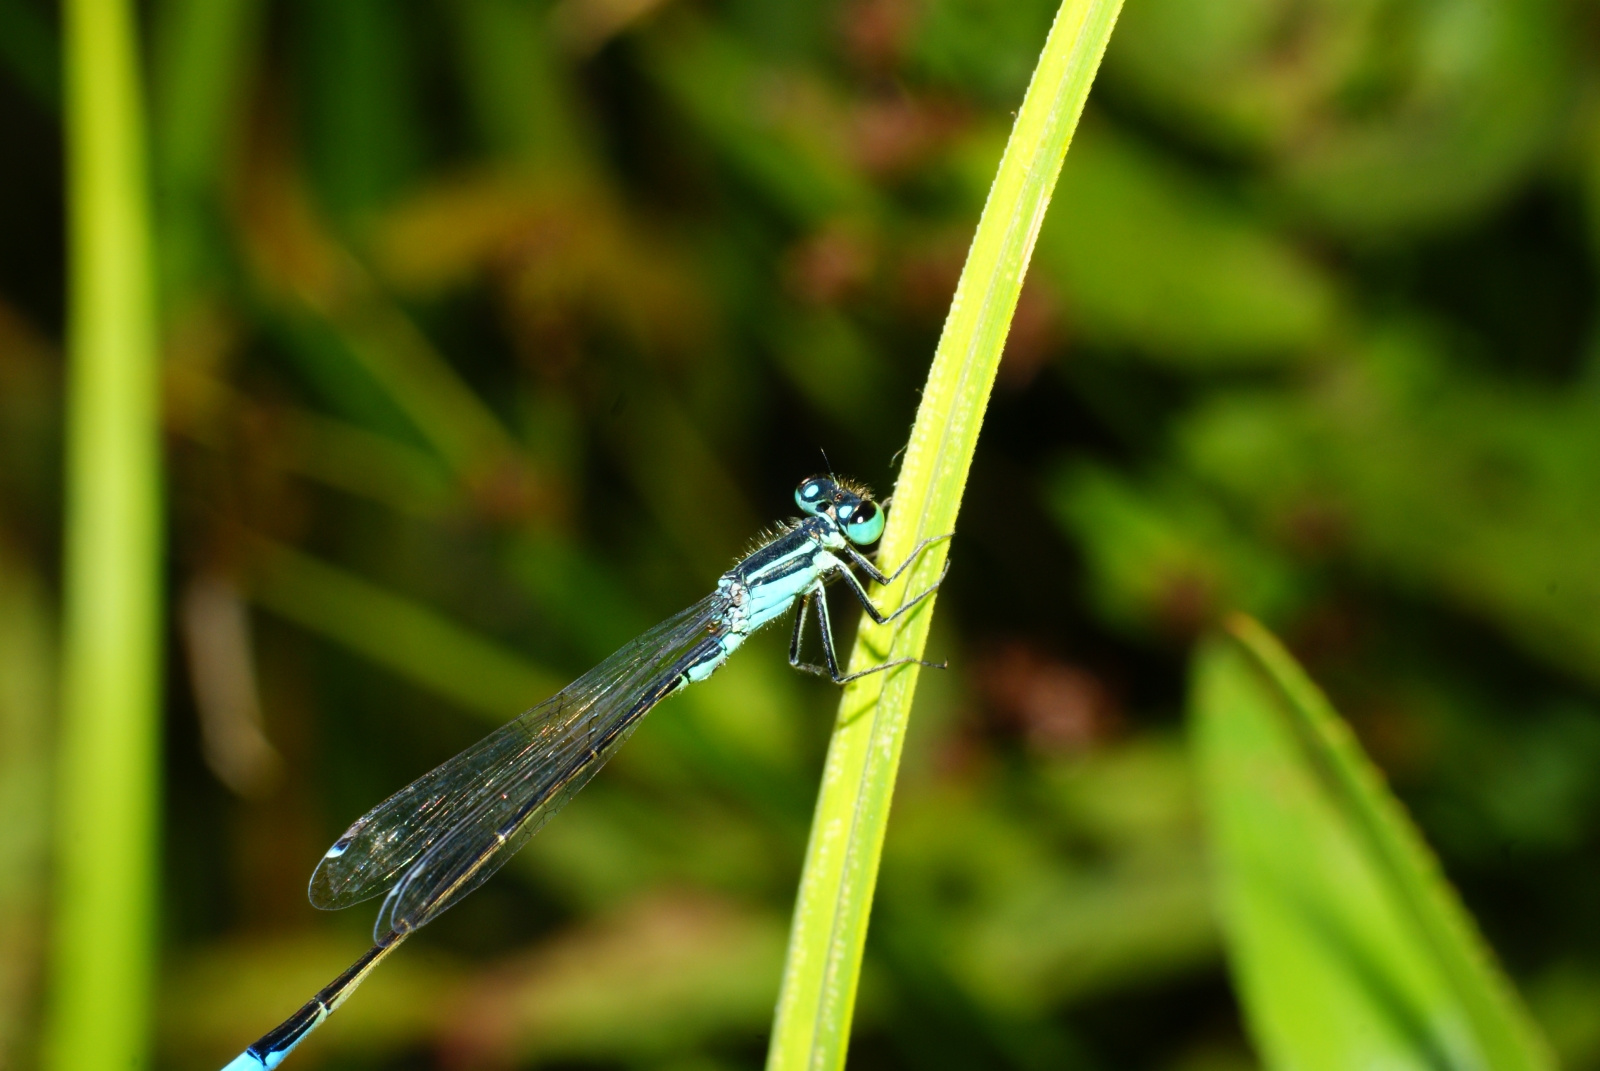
<point>823,965</point>
<point>27,665</point>
<point>203,55</point>
<point>104,910</point>
<point>1348,944</point>
<point>336,313</point>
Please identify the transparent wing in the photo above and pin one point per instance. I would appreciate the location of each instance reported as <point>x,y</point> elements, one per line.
<point>411,844</point>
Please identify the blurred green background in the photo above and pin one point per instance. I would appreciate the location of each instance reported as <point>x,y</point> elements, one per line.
<point>495,329</point>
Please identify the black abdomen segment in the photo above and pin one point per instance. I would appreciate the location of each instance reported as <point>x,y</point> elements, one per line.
<point>276,1043</point>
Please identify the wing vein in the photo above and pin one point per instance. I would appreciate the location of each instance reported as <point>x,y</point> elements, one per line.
<point>441,836</point>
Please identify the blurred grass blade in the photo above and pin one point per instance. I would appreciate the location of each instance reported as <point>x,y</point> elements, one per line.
<point>111,657</point>
<point>336,314</point>
<point>516,84</point>
<point>203,55</point>
<point>1349,947</point>
<point>397,633</point>
<point>812,1026</point>
<point>724,90</point>
<point>26,669</point>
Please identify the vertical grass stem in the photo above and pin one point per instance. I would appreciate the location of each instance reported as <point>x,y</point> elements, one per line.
<point>823,965</point>
<point>104,900</point>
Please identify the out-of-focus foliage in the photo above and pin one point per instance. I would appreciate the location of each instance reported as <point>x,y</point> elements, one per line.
<point>496,328</point>
<point>1128,261</point>
<point>1513,498</point>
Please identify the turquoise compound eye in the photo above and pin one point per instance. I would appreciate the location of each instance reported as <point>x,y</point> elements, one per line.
<point>866,525</point>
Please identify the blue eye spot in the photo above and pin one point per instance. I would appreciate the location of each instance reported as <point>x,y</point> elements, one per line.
<point>813,495</point>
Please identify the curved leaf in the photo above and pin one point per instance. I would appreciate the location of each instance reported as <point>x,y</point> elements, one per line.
<point>1349,947</point>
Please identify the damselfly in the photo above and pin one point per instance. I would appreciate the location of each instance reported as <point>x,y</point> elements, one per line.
<point>442,836</point>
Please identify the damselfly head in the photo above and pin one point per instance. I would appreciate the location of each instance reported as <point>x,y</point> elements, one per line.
<point>852,507</point>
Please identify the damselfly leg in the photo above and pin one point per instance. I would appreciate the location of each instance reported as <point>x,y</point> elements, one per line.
<point>882,580</point>
<point>818,594</point>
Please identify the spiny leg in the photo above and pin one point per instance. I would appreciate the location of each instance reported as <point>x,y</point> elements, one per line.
<point>877,575</point>
<point>799,628</point>
<point>832,668</point>
<point>878,615</point>
<point>825,629</point>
